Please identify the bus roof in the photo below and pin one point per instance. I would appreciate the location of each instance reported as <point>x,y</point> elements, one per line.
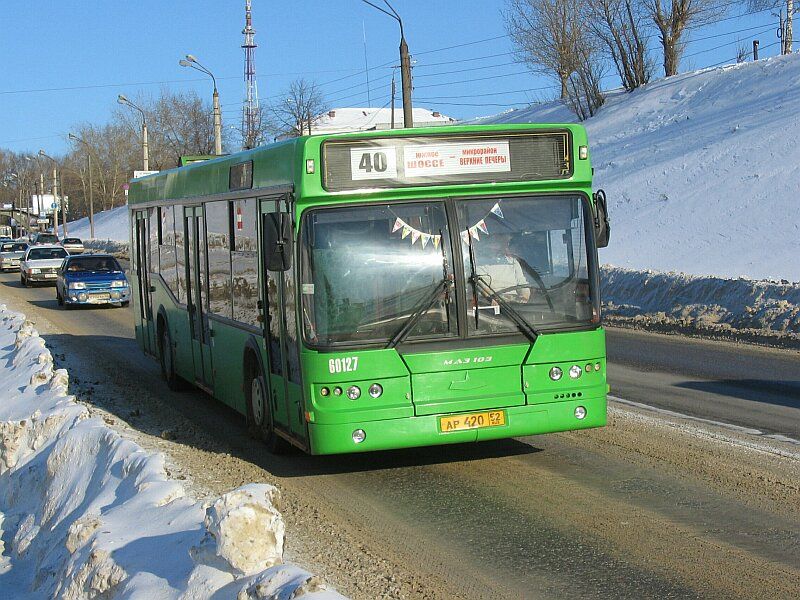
<point>282,164</point>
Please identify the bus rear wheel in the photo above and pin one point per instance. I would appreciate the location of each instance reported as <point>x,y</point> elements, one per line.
<point>259,415</point>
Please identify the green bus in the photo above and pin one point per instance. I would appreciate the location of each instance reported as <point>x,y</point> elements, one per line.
<point>383,289</point>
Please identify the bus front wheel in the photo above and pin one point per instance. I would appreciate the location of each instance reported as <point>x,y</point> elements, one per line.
<point>259,415</point>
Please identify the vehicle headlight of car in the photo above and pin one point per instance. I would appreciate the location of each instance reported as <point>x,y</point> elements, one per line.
<point>77,285</point>
<point>33,270</point>
<point>119,283</point>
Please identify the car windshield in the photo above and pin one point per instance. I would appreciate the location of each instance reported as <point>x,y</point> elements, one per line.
<point>72,241</point>
<point>367,270</point>
<point>46,253</point>
<point>46,238</point>
<point>93,263</point>
<point>13,247</point>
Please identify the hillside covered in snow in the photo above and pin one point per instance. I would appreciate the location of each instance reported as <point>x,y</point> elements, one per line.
<point>701,170</point>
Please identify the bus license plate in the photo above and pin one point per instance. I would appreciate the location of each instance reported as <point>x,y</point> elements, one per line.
<point>492,418</point>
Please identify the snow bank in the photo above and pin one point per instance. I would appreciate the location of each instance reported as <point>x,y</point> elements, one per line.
<point>86,514</point>
<point>701,170</point>
<point>712,304</point>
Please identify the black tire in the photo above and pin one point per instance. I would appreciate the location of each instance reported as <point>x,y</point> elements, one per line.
<point>23,280</point>
<point>260,423</point>
<point>166,358</point>
<point>125,304</point>
<point>59,298</point>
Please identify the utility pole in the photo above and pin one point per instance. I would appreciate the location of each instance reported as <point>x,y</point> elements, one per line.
<point>145,151</point>
<point>55,195</point>
<point>405,63</point>
<point>72,136</point>
<point>393,93</point>
<point>787,42</point>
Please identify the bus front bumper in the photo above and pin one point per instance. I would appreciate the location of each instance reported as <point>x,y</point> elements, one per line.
<point>530,419</point>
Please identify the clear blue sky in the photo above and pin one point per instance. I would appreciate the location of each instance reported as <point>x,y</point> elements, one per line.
<point>101,49</point>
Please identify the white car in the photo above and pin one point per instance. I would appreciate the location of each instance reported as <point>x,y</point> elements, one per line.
<point>40,264</point>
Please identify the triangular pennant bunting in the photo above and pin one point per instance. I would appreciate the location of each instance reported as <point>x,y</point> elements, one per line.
<point>496,210</point>
<point>482,226</point>
<point>474,232</point>
<point>436,240</point>
<point>425,239</point>
<point>406,231</point>
<point>397,224</point>
<point>414,236</point>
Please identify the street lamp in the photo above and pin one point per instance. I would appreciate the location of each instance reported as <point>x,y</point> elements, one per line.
<point>405,63</point>
<point>55,195</point>
<point>145,152</point>
<point>72,136</point>
<point>192,63</point>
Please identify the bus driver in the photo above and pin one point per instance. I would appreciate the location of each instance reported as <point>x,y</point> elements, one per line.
<point>501,270</point>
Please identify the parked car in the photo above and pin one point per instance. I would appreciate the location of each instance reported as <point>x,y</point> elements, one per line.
<point>92,279</point>
<point>10,255</point>
<point>73,245</point>
<point>44,238</point>
<point>40,264</point>
<point>5,238</point>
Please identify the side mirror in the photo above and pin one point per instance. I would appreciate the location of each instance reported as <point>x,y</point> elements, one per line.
<point>602,227</point>
<point>278,241</point>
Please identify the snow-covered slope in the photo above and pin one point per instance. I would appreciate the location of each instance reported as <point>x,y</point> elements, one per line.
<point>702,170</point>
<point>108,225</point>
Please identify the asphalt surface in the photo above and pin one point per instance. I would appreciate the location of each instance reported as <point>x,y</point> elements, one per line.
<point>634,510</point>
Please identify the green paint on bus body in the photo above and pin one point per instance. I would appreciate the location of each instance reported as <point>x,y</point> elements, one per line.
<point>418,386</point>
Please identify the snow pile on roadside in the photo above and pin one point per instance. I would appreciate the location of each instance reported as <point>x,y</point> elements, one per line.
<point>711,304</point>
<point>701,170</point>
<point>86,514</point>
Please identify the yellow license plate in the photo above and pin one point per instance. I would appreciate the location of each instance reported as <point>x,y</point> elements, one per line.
<point>492,418</point>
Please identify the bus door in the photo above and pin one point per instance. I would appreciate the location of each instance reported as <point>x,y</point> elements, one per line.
<point>145,328</point>
<point>280,328</point>
<point>197,294</point>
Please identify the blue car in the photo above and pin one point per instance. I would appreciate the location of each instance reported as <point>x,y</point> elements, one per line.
<point>92,279</point>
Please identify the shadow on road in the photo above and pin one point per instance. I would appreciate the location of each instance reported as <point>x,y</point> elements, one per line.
<point>767,391</point>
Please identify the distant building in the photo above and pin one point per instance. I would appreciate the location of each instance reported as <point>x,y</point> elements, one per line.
<point>343,120</point>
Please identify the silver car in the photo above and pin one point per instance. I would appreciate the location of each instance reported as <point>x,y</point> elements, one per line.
<point>10,255</point>
<point>73,245</point>
<point>40,264</point>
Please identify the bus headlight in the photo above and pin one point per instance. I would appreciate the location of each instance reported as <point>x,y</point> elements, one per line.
<point>580,413</point>
<point>359,435</point>
<point>375,390</point>
<point>556,373</point>
<point>354,392</point>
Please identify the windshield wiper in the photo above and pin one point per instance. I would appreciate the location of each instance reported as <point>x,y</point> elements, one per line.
<point>443,285</point>
<point>525,327</point>
<point>478,282</point>
<point>430,300</point>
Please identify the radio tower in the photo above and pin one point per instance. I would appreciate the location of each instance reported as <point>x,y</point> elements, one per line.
<point>251,116</point>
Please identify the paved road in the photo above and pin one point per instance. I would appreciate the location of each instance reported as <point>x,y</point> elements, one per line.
<point>634,510</point>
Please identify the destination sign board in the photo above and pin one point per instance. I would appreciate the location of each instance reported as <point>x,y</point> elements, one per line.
<point>400,161</point>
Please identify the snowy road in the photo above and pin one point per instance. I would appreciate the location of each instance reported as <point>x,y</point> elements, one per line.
<point>651,506</point>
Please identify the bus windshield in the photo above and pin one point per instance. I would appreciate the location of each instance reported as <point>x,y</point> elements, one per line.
<point>367,270</point>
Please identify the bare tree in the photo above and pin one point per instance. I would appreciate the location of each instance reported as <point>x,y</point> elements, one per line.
<point>301,107</point>
<point>787,18</point>
<point>672,17</point>
<point>621,28</point>
<point>546,35</point>
<point>584,93</point>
